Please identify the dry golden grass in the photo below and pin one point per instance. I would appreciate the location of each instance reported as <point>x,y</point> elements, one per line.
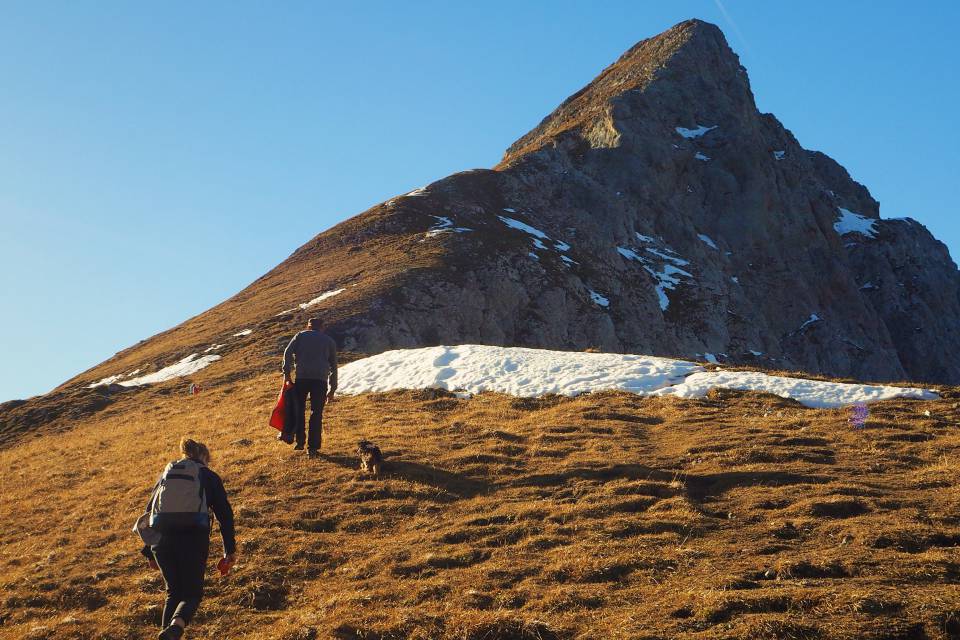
<point>605,516</point>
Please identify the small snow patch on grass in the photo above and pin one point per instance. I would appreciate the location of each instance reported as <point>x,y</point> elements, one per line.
<point>190,364</point>
<point>707,241</point>
<point>320,298</point>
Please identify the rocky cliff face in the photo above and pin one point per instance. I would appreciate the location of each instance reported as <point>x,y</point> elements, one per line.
<point>655,211</point>
<point>658,211</point>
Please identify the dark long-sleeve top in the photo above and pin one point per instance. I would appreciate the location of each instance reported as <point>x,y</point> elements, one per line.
<point>216,501</point>
<point>315,355</point>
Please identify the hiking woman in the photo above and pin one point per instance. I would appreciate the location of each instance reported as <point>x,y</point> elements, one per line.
<point>179,512</point>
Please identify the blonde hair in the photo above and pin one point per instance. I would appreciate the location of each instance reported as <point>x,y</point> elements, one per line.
<point>194,450</point>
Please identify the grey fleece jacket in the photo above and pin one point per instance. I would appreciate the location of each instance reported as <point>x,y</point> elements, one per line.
<point>315,355</point>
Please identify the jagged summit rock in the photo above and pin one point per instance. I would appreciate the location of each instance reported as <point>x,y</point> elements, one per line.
<point>687,63</point>
<point>655,211</point>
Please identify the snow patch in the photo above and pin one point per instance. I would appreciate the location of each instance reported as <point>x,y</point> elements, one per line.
<point>734,279</point>
<point>472,369</point>
<point>213,347</point>
<point>190,364</point>
<point>691,134</point>
<point>666,275</point>
<point>778,155</point>
<point>512,370</point>
<point>320,298</point>
<point>707,241</point>
<point>812,393</point>
<point>538,237</point>
<point>850,222</point>
<point>444,225</point>
<point>673,259</point>
<point>111,379</point>
<point>701,156</point>
<point>245,332</point>
<point>813,318</point>
<point>755,353</point>
<point>598,299</point>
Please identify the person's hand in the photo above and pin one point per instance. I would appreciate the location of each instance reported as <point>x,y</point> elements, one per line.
<point>226,564</point>
<point>286,379</point>
<point>153,564</point>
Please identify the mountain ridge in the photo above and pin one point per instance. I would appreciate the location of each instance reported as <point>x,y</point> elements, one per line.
<point>655,211</point>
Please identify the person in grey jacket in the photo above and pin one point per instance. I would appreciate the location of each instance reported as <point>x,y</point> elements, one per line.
<point>314,354</point>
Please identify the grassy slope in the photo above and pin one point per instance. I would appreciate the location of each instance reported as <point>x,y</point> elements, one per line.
<point>605,516</point>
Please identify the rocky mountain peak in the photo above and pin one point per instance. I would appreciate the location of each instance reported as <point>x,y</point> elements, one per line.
<point>654,212</point>
<point>687,72</point>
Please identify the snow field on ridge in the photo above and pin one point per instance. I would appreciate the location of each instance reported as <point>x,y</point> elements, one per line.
<point>812,393</point>
<point>530,373</point>
<point>515,371</point>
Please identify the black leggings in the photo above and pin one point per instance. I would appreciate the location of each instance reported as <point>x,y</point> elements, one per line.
<point>182,556</point>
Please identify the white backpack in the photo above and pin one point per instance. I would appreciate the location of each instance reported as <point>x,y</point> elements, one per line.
<point>179,500</point>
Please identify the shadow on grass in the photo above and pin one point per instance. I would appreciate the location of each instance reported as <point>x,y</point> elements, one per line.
<point>712,484</point>
<point>612,472</point>
<point>453,483</point>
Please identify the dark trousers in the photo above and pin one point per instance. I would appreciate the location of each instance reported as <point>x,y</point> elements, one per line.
<point>317,390</point>
<point>182,556</point>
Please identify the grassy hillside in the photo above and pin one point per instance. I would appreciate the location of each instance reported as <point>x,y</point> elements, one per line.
<point>606,516</point>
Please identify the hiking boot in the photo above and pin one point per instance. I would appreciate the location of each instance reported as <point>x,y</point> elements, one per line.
<point>299,447</point>
<point>313,453</point>
<point>287,439</point>
<point>173,632</point>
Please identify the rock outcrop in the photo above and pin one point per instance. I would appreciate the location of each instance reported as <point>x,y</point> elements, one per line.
<point>670,217</point>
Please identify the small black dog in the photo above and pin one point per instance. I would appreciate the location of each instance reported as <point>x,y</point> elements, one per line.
<point>371,460</point>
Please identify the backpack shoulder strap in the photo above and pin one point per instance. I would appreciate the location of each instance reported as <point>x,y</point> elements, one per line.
<point>201,477</point>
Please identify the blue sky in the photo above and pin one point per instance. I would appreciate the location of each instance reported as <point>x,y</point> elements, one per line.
<point>158,157</point>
